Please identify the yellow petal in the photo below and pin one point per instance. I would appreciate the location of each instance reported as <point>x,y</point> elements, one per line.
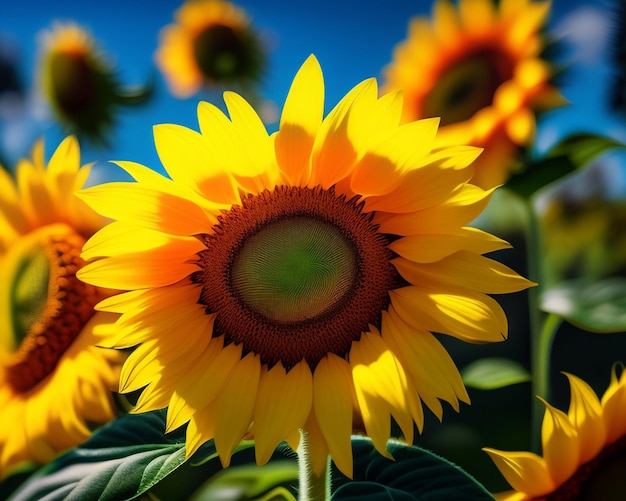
<point>463,269</point>
<point>333,394</point>
<point>426,361</point>
<point>317,449</point>
<point>381,388</point>
<point>585,413</point>
<point>122,237</point>
<point>456,212</point>
<point>301,118</point>
<point>614,405</point>
<point>477,15</point>
<point>525,471</point>
<point>333,155</point>
<point>190,160</point>
<point>468,315</point>
<point>151,208</point>
<point>559,444</point>
<point>235,405</point>
<point>283,405</point>
<point>154,268</point>
<point>429,248</point>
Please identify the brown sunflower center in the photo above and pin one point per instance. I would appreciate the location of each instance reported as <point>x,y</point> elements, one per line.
<point>45,305</point>
<point>224,53</point>
<point>601,478</point>
<point>72,82</point>
<point>467,86</point>
<point>294,274</point>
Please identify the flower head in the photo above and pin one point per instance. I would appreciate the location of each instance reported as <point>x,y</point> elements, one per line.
<point>211,43</point>
<point>583,449</point>
<point>80,84</point>
<point>479,68</point>
<point>54,383</point>
<point>287,282</point>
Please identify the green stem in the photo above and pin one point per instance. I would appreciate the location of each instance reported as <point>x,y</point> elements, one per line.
<point>312,487</point>
<point>542,327</point>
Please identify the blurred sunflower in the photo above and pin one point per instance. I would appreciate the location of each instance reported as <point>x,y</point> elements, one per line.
<point>53,382</point>
<point>479,67</point>
<point>211,43</point>
<point>583,450</point>
<point>287,282</point>
<point>80,84</point>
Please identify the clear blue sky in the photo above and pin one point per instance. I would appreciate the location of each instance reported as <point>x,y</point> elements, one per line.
<point>353,40</point>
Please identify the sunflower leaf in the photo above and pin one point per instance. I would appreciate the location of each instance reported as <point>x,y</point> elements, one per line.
<point>251,482</point>
<point>416,474</point>
<point>120,461</point>
<point>493,373</point>
<point>596,307</point>
<point>572,153</point>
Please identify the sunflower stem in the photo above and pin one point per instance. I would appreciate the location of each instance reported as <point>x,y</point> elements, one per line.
<point>312,487</point>
<point>542,327</point>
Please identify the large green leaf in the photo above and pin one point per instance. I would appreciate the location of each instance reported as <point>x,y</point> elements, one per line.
<point>120,461</point>
<point>251,483</point>
<point>414,474</point>
<point>572,153</point>
<point>132,457</point>
<point>597,307</point>
<point>494,372</point>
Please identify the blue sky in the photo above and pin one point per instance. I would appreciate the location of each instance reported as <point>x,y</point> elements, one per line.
<point>353,40</point>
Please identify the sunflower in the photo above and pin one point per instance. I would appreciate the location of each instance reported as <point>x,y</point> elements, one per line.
<point>53,382</point>
<point>583,450</point>
<point>80,83</point>
<point>479,68</point>
<point>287,282</point>
<point>211,43</point>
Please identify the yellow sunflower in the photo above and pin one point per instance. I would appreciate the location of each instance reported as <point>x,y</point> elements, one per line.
<point>53,382</point>
<point>479,68</point>
<point>211,43</point>
<point>287,282</point>
<point>583,450</point>
<point>80,83</point>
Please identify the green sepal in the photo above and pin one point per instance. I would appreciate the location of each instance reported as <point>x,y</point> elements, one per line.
<point>493,373</point>
<point>595,307</point>
<point>571,154</point>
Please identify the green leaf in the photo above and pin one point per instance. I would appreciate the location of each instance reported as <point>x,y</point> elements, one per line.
<point>414,474</point>
<point>120,461</point>
<point>596,307</point>
<point>572,153</point>
<point>493,373</point>
<point>250,483</point>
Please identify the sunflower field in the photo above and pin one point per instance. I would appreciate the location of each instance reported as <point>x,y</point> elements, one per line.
<point>313,251</point>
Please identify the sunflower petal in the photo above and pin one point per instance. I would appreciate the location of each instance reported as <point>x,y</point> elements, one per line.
<point>283,404</point>
<point>300,120</point>
<point>525,471</point>
<point>333,393</point>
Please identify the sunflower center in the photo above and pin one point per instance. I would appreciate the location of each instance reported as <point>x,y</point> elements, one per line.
<point>294,274</point>
<point>467,86</point>
<point>600,478</point>
<point>294,269</point>
<point>72,82</point>
<point>220,52</point>
<point>44,305</point>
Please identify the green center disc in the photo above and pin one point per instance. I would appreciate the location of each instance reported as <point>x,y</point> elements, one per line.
<point>294,269</point>
<point>25,292</point>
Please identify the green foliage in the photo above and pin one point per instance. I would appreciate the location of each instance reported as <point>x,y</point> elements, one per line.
<point>596,307</point>
<point>132,458</point>
<point>494,372</point>
<point>569,155</point>
<point>414,474</point>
